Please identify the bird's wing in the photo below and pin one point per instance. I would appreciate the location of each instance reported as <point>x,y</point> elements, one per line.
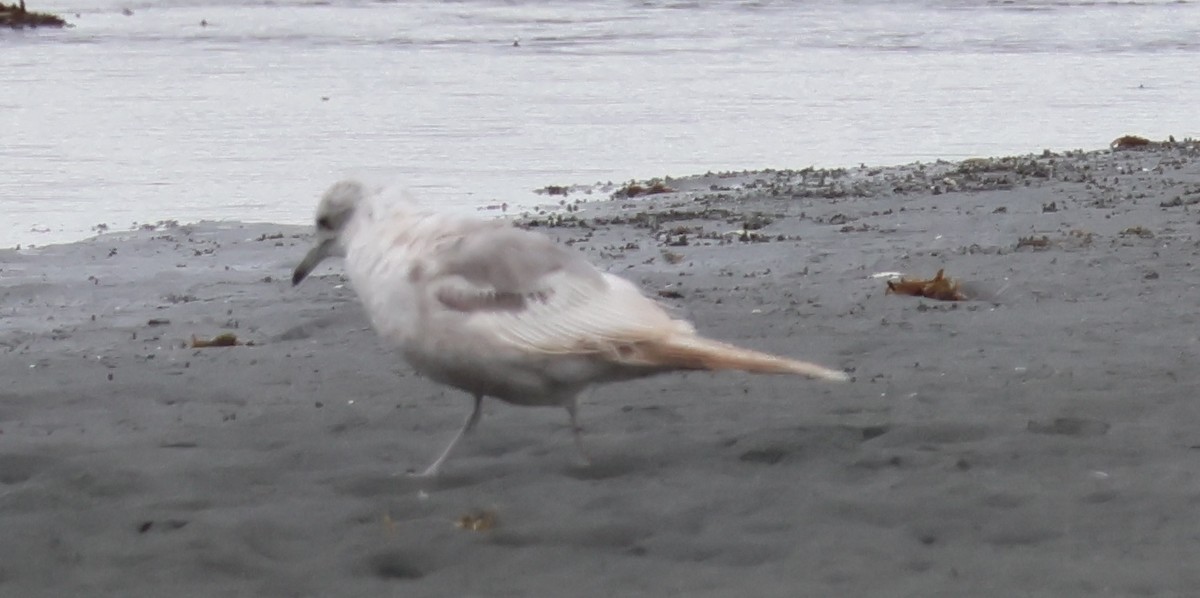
<point>523,290</point>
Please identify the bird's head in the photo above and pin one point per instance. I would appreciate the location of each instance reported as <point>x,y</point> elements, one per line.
<point>334,213</point>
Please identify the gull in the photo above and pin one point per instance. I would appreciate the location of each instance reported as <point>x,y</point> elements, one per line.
<point>498,311</point>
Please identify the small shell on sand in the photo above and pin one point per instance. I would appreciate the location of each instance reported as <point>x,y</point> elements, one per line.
<point>477,521</point>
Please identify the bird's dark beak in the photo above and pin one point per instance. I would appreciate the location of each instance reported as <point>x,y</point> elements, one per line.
<point>323,250</point>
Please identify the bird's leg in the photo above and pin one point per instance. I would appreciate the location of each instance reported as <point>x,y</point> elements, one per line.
<point>576,429</point>
<point>472,419</point>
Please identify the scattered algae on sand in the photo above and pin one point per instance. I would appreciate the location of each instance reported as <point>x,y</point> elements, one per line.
<point>15,16</point>
<point>227,339</point>
<point>939,287</point>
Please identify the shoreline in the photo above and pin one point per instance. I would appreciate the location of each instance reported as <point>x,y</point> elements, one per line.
<point>827,182</point>
<point>1037,439</point>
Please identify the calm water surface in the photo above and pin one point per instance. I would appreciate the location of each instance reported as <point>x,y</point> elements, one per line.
<point>150,116</point>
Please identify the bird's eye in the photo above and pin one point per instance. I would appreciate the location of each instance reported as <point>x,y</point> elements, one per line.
<point>324,223</point>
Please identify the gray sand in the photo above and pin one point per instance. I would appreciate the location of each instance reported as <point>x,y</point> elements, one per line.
<point>1040,440</point>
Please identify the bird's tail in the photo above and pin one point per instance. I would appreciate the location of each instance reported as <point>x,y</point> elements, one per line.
<point>690,352</point>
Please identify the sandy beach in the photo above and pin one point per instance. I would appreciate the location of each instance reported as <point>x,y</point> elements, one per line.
<point>1040,439</point>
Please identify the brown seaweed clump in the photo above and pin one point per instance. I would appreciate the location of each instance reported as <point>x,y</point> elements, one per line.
<point>651,188</point>
<point>1037,243</point>
<point>939,287</point>
<point>1129,142</point>
<point>227,339</point>
<point>15,16</point>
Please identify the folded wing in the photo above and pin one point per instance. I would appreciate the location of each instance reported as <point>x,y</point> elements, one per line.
<point>526,291</point>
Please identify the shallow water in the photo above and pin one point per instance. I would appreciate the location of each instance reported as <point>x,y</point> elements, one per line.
<point>150,116</point>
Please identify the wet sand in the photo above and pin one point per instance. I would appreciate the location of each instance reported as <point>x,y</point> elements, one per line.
<point>1038,440</point>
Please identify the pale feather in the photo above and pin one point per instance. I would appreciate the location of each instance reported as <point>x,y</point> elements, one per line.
<point>569,306</point>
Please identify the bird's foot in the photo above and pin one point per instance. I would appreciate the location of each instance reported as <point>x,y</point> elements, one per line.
<point>583,457</point>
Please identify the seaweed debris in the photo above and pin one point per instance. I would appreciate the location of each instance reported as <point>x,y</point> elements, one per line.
<point>15,16</point>
<point>939,287</point>
<point>227,339</point>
